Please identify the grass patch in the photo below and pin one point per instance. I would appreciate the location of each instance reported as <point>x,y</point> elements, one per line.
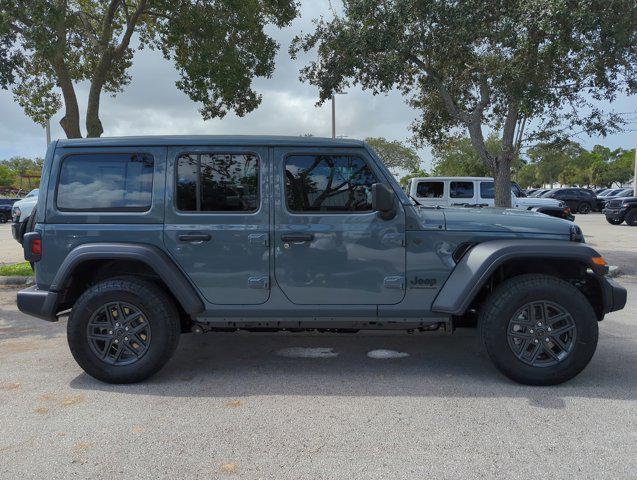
<point>17,269</point>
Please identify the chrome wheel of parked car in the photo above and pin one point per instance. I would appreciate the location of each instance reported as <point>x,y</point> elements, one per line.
<point>119,333</point>
<point>541,334</point>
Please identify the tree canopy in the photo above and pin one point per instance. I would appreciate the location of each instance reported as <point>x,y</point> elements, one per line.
<point>217,47</point>
<point>395,154</point>
<point>526,70</point>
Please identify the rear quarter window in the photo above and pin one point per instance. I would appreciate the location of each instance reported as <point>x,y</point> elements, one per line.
<point>106,182</point>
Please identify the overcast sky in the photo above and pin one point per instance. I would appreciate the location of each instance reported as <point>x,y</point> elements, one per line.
<point>151,104</point>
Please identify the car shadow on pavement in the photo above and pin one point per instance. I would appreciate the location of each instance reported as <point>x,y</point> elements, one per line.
<point>437,365</point>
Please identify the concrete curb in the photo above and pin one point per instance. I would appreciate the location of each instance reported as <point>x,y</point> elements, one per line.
<point>17,280</point>
<point>614,271</point>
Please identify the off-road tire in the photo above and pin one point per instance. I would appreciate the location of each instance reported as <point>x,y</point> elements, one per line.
<point>631,218</point>
<point>584,208</point>
<point>503,304</point>
<point>156,306</point>
<point>3,218</point>
<point>613,221</point>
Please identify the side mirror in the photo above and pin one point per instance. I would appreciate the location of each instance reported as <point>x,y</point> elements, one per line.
<point>383,201</point>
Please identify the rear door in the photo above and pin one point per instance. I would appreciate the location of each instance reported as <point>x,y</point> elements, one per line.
<point>330,246</point>
<point>217,221</point>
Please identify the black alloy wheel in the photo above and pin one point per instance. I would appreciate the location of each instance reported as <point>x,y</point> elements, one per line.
<point>541,334</point>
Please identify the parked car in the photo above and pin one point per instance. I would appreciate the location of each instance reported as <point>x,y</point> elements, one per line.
<point>605,195</point>
<point>622,209</point>
<point>5,208</point>
<point>477,191</point>
<point>539,192</point>
<point>626,192</point>
<point>21,213</point>
<point>143,238</point>
<point>579,200</point>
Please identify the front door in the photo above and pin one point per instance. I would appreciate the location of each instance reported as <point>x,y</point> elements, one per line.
<point>217,221</point>
<point>330,246</point>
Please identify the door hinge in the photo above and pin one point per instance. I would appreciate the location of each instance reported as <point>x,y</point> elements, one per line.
<point>259,282</point>
<point>261,239</point>
<point>394,281</point>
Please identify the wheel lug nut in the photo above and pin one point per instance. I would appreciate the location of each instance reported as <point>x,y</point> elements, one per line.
<point>126,339</point>
<point>536,340</point>
<point>546,339</point>
<point>126,329</point>
<point>548,329</point>
<point>110,332</point>
<point>539,324</point>
<point>115,341</point>
<point>531,331</point>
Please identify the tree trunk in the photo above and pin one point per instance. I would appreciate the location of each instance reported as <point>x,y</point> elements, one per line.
<point>70,122</point>
<point>93,122</point>
<point>502,181</point>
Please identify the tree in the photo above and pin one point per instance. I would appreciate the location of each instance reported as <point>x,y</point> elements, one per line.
<point>552,159</point>
<point>457,157</point>
<point>7,176</point>
<point>47,46</point>
<point>395,154</point>
<point>483,64</point>
<point>404,181</point>
<point>527,175</point>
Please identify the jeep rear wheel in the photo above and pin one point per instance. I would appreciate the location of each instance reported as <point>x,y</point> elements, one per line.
<point>613,221</point>
<point>631,218</point>
<point>123,330</point>
<point>538,329</point>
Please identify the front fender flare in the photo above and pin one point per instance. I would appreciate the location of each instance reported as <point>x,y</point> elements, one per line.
<point>476,266</point>
<point>150,255</point>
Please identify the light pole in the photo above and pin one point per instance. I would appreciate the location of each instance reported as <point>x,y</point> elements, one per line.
<point>334,111</point>
<point>635,176</point>
<point>48,132</point>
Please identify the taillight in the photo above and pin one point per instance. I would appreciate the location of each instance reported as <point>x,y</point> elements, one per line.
<point>32,244</point>
<point>36,247</point>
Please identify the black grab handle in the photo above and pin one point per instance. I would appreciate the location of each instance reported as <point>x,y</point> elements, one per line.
<point>298,237</point>
<point>194,237</point>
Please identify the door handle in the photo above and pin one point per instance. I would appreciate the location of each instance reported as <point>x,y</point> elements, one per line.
<point>194,237</point>
<point>297,237</point>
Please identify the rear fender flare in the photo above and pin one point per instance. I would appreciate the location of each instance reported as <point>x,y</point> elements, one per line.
<point>155,258</point>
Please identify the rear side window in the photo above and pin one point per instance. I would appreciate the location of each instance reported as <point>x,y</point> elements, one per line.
<point>461,190</point>
<point>218,183</point>
<point>430,189</point>
<point>486,190</point>
<point>106,182</point>
<point>328,183</point>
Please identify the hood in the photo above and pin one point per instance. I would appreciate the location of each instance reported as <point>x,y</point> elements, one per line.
<point>26,201</point>
<point>538,201</point>
<point>505,221</point>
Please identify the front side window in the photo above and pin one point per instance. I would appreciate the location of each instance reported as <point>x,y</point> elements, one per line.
<point>218,183</point>
<point>106,182</point>
<point>461,190</point>
<point>328,183</point>
<point>430,189</point>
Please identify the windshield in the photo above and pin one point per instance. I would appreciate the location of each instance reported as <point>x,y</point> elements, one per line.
<point>33,193</point>
<point>549,192</point>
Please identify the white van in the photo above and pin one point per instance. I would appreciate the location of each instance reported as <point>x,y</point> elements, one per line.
<point>476,191</point>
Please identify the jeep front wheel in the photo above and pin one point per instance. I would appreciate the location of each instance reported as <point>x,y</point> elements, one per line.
<point>538,329</point>
<point>123,330</point>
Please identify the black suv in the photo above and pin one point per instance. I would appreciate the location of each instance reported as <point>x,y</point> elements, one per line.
<point>579,200</point>
<point>5,208</point>
<point>618,210</point>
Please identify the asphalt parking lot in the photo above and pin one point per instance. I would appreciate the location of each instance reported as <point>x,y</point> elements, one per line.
<point>245,405</point>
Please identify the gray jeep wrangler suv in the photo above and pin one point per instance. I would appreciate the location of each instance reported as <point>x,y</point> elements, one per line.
<point>141,239</point>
